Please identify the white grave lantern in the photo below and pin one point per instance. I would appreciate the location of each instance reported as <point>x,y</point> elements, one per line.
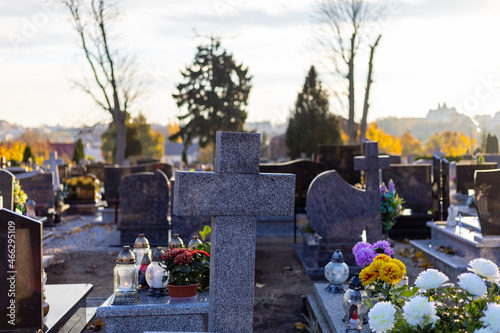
<point>155,274</point>
<point>125,278</point>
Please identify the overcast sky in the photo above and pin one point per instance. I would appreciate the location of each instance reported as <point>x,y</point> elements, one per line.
<point>431,51</point>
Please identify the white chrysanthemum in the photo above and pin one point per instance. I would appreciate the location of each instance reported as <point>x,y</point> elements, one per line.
<point>491,318</point>
<point>472,283</point>
<point>418,311</point>
<point>382,317</point>
<point>484,330</point>
<point>430,279</point>
<point>485,269</point>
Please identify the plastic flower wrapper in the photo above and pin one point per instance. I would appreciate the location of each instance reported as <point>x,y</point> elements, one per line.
<point>485,269</point>
<point>430,279</point>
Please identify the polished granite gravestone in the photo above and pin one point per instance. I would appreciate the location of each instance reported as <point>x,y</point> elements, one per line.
<point>341,159</point>
<point>474,238</point>
<point>465,175</point>
<point>7,189</point>
<point>21,296</point>
<point>413,184</point>
<point>40,188</point>
<point>339,213</point>
<point>186,226</point>
<point>144,201</point>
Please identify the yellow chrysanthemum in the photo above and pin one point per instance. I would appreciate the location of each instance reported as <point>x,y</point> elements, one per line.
<point>390,273</point>
<point>382,257</point>
<point>401,266</point>
<point>368,276</point>
<point>376,265</point>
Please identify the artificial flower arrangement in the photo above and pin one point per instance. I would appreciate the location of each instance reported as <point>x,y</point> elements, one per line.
<point>184,266</point>
<point>391,205</point>
<point>435,305</point>
<point>364,252</point>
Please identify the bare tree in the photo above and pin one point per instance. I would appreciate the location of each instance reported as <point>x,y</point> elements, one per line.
<point>343,30</point>
<point>114,82</point>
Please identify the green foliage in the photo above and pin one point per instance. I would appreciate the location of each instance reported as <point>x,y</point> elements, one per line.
<point>20,198</point>
<point>141,140</point>
<point>27,154</point>
<point>205,232</point>
<point>214,94</point>
<point>311,123</point>
<point>491,146</point>
<point>78,153</point>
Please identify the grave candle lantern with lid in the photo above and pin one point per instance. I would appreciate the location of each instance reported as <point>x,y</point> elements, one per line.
<point>125,278</point>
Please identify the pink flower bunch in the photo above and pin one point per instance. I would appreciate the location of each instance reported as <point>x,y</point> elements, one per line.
<point>364,252</point>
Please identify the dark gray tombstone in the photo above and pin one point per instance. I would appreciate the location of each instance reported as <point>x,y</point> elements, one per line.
<point>465,175</point>
<point>144,201</point>
<point>445,180</point>
<point>395,159</point>
<point>304,170</point>
<point>413,183</point>
<point>40,188</point>
<point>339,212</point>
<point>186,226</point>
<point>21,300</point>
<point>97,169</point>
<point>487,195</point>
<point>341,159</point>
<point>7,189</point>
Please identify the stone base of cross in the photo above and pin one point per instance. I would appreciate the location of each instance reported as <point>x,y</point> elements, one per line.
<point>233,195</point>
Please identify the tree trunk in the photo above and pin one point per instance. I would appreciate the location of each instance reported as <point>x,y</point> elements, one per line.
<point>362,135</point>
<point>121,137</point>
<point>351,125</point>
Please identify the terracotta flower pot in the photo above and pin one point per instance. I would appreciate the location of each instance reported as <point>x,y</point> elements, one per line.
<point>182,292</point>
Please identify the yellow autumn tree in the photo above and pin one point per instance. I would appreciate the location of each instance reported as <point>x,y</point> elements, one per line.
<point>387,143</point>
<point>411,145</point>
<point>173,127</point>
<point>451,143</point>
<point>13,151</point>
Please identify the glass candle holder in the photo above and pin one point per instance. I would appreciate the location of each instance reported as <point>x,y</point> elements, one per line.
<point>336,272</point>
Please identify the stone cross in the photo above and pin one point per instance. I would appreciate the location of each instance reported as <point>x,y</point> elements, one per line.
<point>233,195</point>
<point>371,163</point>
<point>53,162</point>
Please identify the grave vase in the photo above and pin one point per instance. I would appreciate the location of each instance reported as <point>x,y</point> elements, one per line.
<point>183,292</point>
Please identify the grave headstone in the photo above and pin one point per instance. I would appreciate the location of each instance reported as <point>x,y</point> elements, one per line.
<point>465,175</point>
<point>97,169</point>
<point>413,183</point>
<point>7,189</point>
<point>144,201</point>
<point>83,195</point>
<point>339,212</point>
<point>487,194</point>
<point>341,159</point>
<point>186,226</point>
<point>234,195</point>
<point>21,299</point>
<point>304,170</point>
<point>40,188</point>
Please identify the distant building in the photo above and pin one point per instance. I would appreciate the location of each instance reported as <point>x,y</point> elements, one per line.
<point>173,153</point>
<point>442,113</point>
<point>64,150</point>
<point>277,148</point>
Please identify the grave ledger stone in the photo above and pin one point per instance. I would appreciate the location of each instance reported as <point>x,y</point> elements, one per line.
<point>7,189</point>
<point>233,195</point>
<point>21,273</point>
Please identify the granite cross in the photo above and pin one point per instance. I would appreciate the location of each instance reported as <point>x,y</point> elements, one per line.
<point>371,163</point>
<point>233,195</point>
<point>53,163</point>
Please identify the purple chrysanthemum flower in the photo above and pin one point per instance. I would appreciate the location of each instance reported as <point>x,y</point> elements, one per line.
<point>364,253</point>
<point>383,246</point>
<point>392,187</point>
